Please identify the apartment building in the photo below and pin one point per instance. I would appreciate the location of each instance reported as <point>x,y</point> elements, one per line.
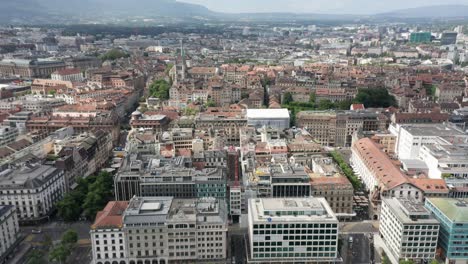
<point>292,230</point>
<point>9,231</point>
<point>107,235</point>
<point>408,229</point>
<point>160,230</point>
<point>336,128</point>
<point>33,189</point>
<point>326,181</point>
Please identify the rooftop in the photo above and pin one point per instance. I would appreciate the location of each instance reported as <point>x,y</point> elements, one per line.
<point>410,211</point>
<point>111,216</point>
<point>455,209</point>
<point>291,209</point>
<point>267,113</point>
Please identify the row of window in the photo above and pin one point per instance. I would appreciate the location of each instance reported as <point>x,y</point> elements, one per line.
<point>296,226</point>
<point>294,255</point>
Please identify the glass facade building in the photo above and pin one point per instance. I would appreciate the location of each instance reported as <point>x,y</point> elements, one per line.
<point>453,235</point>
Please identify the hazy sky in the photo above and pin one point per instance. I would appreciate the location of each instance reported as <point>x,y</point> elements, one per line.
<point>319,6</point>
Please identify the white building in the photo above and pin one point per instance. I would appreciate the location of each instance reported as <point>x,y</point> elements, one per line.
<point>235,200</point>
<point>292,230</point>
<point>275,118</point>
<point>445,160</point>
<point>159,230</point>
<point>72,75</point>
<point>9,231</point>
<point>107,236</point>
<point>33,188</point>
<point>408,230</point>
<point>410,138</point>
<point>7,135</point>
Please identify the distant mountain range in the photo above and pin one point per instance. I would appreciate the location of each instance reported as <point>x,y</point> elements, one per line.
<point>79,11</point>
<point>438,11</point>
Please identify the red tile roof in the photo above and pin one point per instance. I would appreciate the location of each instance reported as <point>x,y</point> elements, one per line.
<point>111,216</point>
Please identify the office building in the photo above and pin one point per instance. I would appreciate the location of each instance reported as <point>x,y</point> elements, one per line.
<point>420,37</point>
<point>410,138</point>
<point>292,230</point>
<point>275,118</point>
<point>7,135</point>
<point>453,217</point>
<point>448,38</point>
<point>408,229</point>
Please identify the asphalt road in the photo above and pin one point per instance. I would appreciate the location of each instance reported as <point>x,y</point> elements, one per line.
<point>237,247</point>
<point>356,252</point>
<point>54,230</point>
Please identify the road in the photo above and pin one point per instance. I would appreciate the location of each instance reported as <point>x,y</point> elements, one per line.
<point>53,231</point>
<point>359,227</point>
<point>237,249</point>
<point>359,251</point>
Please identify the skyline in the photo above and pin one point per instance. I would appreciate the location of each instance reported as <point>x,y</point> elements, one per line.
<point>318,6</point>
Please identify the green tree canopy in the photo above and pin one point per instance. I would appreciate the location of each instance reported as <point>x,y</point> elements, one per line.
<point>409,261</point>
<point>375,97</point>
<point>59,253</point>
<point>287,98</point>
<point>114,54</point>
<point>70,237</point>
<point>325,104</point>
<point>160,89</point>
<point>99,193</point>
<point>36,257</point>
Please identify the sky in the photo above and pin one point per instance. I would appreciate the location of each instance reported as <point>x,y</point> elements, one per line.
<point>318,6</point>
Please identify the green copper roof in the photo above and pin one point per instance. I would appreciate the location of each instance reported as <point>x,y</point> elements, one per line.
<point>454,209</point>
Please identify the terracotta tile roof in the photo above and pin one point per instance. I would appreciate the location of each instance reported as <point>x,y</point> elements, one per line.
<point>68,71</point>
<point>430,185</point>
<point>111,216</point>
<point>381,166</point>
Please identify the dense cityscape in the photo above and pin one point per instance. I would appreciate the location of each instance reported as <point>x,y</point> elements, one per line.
<point>250,141</point>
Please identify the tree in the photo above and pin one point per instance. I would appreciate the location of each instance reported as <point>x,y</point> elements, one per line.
<point>59,253</point>
<point>69,208</point>
<point>210,103</point>
<point>408,261</point>
<point>70,237</point>
<point>375,97</point>
<point>99,194</point>
<point>344,105</point>
<point>35,257</point>
<point>287,98</point>
<point>160,89</point>
<point>325,104</point>
<point>114,54</point>
<point>312,98</point>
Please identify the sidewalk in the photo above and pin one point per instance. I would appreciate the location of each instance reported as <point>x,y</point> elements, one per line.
<point>380,246</point>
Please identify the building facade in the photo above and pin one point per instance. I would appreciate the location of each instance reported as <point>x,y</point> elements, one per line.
<point>408,230</point>
<point>9,231</point>
<point>292,230</point>
<point>453,217</point>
